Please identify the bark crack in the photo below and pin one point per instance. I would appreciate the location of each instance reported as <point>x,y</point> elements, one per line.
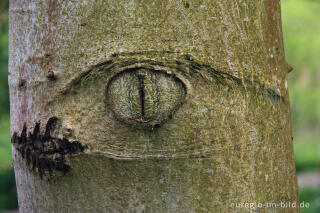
<point>141,94</point>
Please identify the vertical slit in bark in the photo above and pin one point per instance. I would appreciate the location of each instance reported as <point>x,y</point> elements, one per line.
<point>141,94</point>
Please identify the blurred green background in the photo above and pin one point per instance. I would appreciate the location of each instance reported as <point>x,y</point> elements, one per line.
<point>301,31</point>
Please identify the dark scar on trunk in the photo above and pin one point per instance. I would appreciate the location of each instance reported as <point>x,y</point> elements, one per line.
<point>44,153</point>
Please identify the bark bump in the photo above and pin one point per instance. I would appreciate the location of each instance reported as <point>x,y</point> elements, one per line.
<point>145,97</point>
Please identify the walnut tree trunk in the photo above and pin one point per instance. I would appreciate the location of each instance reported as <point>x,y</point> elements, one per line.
<point>150,106</point>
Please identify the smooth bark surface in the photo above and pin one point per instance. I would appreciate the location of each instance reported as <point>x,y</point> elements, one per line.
<point>203,128</point>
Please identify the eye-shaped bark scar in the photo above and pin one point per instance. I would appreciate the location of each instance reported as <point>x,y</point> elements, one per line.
<point>147,89</point>
<point>144,97</point>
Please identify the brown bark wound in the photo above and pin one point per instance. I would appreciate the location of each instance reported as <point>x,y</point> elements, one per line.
<point>43,152</point>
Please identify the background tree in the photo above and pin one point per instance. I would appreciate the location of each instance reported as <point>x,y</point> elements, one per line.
<point>77,149</point>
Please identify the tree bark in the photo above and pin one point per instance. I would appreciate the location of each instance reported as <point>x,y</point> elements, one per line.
<point>150,106</point>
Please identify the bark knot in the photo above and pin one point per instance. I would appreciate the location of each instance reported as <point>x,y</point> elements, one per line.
<point>145,97</point>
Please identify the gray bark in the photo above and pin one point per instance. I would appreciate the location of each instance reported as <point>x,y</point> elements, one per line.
<point>150,106</point>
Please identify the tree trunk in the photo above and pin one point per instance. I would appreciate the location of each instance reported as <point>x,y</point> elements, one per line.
<point>150,106</point>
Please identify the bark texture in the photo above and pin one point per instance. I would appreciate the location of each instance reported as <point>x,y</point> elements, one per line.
<point>213,89</point>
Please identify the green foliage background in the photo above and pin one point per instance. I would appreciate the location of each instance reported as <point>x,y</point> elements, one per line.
<point>301,31</point>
